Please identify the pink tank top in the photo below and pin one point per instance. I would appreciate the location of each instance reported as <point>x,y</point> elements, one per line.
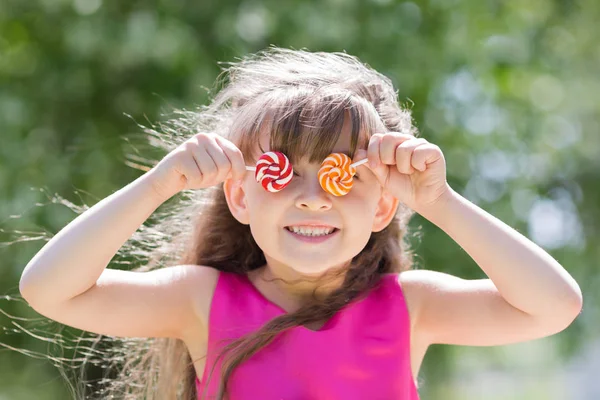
<point>362,352</point>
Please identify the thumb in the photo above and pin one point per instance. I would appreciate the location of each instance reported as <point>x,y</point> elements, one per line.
<point>380,171</point>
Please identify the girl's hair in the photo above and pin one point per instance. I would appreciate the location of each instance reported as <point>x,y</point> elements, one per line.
<point>301,99</point>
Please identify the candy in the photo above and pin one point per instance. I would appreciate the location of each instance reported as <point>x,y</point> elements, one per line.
<point>273,171</point>
<point>337,172</point>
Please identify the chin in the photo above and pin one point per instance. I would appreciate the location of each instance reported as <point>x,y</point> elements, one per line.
<point>310,268</point>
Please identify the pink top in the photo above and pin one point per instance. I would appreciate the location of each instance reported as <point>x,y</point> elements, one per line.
<point>362,352</point>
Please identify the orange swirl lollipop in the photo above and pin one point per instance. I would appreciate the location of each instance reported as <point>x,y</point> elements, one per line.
<point>337,172</point>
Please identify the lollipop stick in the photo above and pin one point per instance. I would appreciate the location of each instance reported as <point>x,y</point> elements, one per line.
<point>361,162</point>
<point>250,168</point>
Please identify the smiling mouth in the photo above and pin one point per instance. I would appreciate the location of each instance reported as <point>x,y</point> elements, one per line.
<point>311,232</point>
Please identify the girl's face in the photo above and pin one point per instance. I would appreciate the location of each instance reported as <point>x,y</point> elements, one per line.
<point>365,209</point>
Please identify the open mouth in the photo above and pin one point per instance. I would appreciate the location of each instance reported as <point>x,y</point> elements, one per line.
<point>315,233</point>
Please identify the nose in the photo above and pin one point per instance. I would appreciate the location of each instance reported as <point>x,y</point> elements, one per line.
<point>311,196</point>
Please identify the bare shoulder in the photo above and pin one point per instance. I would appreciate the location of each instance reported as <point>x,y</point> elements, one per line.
<point>415,281</point>
<point>412,283</point>
<point>418,284</point>
<point>429,292</point>
<point>203,281</point>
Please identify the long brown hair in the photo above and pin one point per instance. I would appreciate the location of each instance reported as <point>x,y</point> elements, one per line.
<point>302,99</point>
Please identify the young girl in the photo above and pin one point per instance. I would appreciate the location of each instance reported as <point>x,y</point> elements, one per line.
<point>295,281</point>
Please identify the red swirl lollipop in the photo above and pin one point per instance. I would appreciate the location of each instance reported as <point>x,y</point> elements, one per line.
<point>273,171</point>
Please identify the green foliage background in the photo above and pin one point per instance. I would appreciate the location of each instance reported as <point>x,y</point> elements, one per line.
<point>510,91</point>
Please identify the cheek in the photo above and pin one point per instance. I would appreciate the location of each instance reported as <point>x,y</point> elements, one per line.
<point>254,199</point>
<point>362,196</point>
<point>359,210</point>
<point>370,194</point>
<point>262,204</point>
<point>262,215</point>
<point>255,189</point>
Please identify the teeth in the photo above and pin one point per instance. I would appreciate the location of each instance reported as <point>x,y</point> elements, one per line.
<point>311,231</point>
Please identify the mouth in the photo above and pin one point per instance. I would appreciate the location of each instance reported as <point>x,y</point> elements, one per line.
<point>310,232</point>
<point>313,236</point>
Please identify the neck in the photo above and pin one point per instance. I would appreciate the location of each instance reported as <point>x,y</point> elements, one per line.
<point>290,289</point>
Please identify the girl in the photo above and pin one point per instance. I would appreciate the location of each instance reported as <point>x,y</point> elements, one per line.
<point>296,283</point>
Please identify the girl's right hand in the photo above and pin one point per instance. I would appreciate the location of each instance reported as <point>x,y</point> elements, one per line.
<point>204,160</point>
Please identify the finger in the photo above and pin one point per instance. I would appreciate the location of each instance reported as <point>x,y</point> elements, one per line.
<point>191,170</point>
<point>373,150</point>
<point>235,156</point>
<point>206,166</point>
<point>404,153</point>
<point>379,171</point>
<point>389,143</point>
<point>220,160</point>
<point>425,154</point>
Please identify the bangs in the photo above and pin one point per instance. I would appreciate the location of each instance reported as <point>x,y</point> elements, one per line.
<point>304,123</point>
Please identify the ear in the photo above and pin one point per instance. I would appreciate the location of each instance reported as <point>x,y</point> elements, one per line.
<point>386,209</point>
<point>236,200</point>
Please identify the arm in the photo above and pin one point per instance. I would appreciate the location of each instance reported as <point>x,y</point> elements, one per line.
<point>529,294</point>
<point>67,279</point>
<point>73,260</point>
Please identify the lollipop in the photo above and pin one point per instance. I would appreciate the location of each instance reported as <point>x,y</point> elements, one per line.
<point>273,171</point>
<point>336,173</point>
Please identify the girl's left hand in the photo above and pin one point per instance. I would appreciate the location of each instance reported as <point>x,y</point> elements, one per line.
<point>411,169</point>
